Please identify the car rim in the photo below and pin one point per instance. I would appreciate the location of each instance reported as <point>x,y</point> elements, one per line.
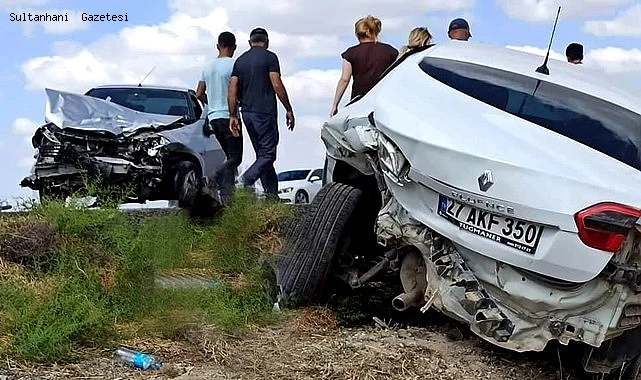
<point>189,184</point>
<point>301,198</point>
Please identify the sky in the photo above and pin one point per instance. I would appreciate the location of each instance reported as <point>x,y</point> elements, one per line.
<point>178,38</point>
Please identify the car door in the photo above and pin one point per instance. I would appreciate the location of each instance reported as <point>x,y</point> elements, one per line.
<point>211,151</point>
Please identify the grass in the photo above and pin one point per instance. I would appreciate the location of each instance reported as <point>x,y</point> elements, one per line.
<point>91,282</point>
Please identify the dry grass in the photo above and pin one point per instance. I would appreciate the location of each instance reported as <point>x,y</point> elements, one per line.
<point>26,240</point>
<point>315,321</point>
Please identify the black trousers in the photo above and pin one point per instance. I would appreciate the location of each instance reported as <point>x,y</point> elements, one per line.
<point>233,147</point>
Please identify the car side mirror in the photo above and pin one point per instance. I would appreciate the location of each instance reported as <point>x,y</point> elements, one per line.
<point>315,178</point>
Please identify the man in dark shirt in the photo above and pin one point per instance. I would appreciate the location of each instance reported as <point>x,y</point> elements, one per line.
<point>255,81</point>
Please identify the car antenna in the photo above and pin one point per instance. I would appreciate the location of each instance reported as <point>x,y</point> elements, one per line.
<point>143,79</point>
<point>543,69</point>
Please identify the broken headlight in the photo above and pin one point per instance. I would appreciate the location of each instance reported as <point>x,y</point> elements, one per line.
<point>155,144</point>
<point>393,163</point>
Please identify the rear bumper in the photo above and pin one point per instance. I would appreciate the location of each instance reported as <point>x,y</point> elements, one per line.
<point>509,307</point>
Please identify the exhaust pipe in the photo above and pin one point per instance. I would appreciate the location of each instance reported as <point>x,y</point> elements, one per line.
<point>414,280</point>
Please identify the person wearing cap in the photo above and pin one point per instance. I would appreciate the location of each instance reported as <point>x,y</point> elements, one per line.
<point>459,30</point>
<point>574,53</point>
<point>255,83</point>
<point>212,90</point>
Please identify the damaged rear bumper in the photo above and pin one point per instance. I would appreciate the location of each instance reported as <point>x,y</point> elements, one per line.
<point>508,307</point>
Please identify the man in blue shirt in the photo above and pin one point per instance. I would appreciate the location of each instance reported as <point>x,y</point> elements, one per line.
<point>255,82</point>
<point>213,89</point>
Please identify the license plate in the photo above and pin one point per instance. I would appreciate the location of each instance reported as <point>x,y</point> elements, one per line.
<point>514,233</point>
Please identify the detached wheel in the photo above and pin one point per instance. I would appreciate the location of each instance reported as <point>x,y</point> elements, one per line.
<point>312,244</point>
<point>301,197</point>
<point>186,180</point>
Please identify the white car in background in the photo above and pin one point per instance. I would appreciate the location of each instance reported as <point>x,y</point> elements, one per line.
<point>299,186</point>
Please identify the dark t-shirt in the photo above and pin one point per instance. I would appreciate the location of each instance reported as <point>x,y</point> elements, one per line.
<point>255,90</point>
<point>369,60</point>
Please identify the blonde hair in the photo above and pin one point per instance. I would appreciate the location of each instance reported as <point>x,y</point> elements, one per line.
<point>418,37</point>
<point>368,27</point>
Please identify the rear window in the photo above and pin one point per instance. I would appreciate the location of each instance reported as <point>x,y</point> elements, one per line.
<point>150,100</point>
<point>601,125</point>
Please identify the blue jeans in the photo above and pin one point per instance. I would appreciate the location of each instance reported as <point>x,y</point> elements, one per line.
<point>263,132</point>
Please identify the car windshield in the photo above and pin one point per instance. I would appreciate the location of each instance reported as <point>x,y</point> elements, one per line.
<point>606,127</point>
<point>157,101</point>
<point>293,175</point>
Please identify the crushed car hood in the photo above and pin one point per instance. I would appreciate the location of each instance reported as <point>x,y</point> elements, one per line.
<point>83,112</point>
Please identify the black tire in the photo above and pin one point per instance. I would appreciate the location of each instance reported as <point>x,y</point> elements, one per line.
<point>311,245</point>
<point>186,179</point>
<point>301,197</point>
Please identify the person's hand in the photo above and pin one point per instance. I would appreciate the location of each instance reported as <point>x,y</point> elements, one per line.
<point>234,126</point>
<point>334,111</point>
<point>289,116</point>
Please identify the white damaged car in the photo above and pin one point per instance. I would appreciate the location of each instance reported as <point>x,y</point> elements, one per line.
<point>505,198</point>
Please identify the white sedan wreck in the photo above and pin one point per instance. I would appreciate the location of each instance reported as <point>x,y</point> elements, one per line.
<point>151,142</point>
<point>505,198</point>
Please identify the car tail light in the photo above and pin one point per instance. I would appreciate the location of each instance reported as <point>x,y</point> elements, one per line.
<point>605,226</point>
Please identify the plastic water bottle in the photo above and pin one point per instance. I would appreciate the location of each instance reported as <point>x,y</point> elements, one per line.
<point>137,359</point>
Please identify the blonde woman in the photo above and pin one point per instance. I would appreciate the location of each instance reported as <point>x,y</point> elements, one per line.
<point>365,62</point>
<point>418,37</point>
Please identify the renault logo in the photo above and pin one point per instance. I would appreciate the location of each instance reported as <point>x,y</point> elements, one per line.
<point>486,180</point>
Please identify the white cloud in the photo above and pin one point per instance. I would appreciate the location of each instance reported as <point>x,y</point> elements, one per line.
<point>69,21</point>
<point>612,60</point>
<point>539,51</point>
<point>545,10</point>
<point>178,48</point>
<point>329,16</point>
<point>616,60</point>
<point>24,126</point>
<point>625,24</point>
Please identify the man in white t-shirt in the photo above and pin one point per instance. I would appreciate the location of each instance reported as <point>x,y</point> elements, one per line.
<point>213,89</point>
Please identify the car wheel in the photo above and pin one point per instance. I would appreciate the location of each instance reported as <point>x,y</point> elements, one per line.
<point>301,197</point>
<point>186,180</point>
<point>311,245</point>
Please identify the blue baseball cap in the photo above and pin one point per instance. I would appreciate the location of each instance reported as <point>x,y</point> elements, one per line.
<point>459,23</point>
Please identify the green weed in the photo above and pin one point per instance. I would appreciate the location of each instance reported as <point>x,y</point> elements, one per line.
<point>97,287</point>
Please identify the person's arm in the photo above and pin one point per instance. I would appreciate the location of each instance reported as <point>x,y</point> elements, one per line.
<point>232,104</point>
<point>279,89</point>
<point>343,82</point>
<point>277,83</point>
<point>200,91</point>
<point>232,97</point>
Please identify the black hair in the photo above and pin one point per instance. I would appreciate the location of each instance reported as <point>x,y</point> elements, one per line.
<point>226,39</point>
<point>574,51</point>
<point>258,37</point>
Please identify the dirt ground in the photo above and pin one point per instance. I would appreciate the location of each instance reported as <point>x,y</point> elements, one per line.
<point>312,346</point>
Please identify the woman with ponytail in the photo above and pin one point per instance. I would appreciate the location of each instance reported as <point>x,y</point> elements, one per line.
<point>365,62</point>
